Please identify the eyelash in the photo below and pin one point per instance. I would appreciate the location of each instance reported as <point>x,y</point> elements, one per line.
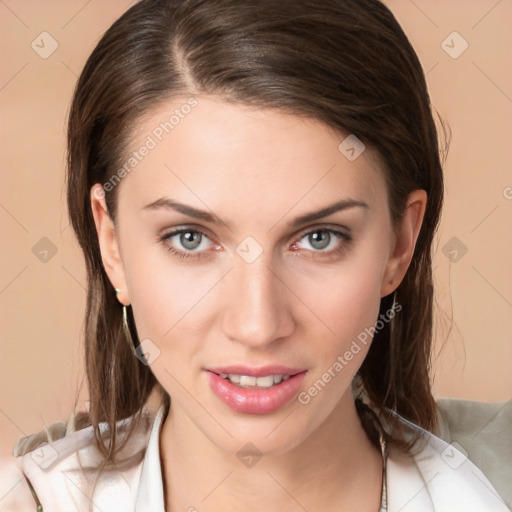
<point>187,255</point>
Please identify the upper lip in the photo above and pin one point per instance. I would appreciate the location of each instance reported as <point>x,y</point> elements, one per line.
<point>260,371</point>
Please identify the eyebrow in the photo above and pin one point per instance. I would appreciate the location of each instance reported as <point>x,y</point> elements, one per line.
<point>167,203</point>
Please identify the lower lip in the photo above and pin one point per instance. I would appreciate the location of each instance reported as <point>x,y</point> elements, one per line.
<point>255,400</point>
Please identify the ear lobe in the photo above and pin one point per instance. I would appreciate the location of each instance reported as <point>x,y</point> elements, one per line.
<point>108,243</point>
<point>404,243</point>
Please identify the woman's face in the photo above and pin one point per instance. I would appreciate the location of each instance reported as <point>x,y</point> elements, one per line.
<point>249,244</point>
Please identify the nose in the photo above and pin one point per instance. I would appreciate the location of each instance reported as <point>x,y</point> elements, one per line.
<point>257,310</point>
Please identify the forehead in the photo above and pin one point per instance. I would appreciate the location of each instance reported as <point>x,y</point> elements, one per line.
<point>209,148</point>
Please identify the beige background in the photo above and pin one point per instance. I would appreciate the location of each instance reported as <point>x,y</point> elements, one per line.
<point>42,302</point>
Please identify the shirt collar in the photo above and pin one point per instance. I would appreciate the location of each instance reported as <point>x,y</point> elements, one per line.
<point>416,475</point>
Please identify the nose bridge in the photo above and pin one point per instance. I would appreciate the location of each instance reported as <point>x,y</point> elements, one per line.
<point>258,307</point>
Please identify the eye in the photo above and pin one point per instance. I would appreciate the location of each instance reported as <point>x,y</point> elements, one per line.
<point>186,242</point>
<point>324,241</point>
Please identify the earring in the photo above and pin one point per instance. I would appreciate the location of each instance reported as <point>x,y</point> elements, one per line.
<point>126,328</point>
<point>395,302</point>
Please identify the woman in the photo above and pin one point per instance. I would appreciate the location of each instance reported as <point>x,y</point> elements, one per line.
<point>255,187</point>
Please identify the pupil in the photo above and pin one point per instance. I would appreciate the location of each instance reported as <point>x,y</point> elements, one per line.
<point>320,239</point>
<point>190,239</point>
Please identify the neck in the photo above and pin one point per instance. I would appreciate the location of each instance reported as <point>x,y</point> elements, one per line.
<point>336,468</point>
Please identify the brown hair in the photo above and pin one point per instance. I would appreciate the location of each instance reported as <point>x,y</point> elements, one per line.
<point>345,62</point>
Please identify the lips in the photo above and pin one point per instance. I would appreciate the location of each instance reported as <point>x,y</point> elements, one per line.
<point>251,390</point>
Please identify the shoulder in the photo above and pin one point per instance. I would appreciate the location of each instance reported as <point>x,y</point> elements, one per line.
<point>15,495</point>
<point>440,474</point>
<point>16,490</point>
<point>482,432</point>
<point>67,473</point>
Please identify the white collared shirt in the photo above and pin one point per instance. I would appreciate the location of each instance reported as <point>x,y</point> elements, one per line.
<point>439,478</point>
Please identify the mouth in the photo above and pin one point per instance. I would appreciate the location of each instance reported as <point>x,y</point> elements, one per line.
<point>252,390</point>
<point>256,377</point>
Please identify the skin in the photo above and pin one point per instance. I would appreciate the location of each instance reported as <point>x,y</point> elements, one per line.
<point>257,170</point>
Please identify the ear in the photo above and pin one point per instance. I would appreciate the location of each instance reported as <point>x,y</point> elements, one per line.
<point>109,246</point>
<point>402,248</point>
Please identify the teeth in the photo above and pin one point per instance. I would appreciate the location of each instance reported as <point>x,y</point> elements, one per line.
<point>247,380</point>
<point>265,382</point>
<point>251,381</point>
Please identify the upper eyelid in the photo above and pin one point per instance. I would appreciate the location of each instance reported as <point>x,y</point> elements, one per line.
<point>302,232</point>
<point>332,229</point>
<point>183,229</point>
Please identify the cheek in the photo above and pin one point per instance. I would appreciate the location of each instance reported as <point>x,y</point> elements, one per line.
<point>166,300</point>
<point>164,292</point>
<point>157,293</point>
<point>349,306</point>
<point>347,298</point>
<point>349,314</point>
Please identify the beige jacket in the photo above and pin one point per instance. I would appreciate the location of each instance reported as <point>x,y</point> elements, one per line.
<point>439,478</point>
